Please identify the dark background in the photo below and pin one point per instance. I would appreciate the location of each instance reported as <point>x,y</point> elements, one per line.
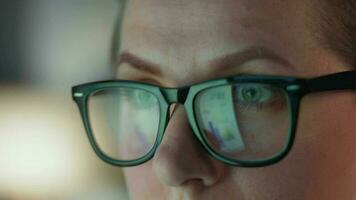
<point>10,35</point>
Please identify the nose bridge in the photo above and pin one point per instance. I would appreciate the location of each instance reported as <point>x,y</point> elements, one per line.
<point>175,95</point>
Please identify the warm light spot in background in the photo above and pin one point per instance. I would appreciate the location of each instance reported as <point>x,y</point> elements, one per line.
<point>34,146</point>
<point>45,153</point>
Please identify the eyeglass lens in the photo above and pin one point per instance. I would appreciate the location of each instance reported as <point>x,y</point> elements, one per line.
<point>124,121</point>
<point>246,121</point>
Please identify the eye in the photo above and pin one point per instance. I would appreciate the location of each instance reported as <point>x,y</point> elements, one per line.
<point>144,99</point>
<point>254,93</point>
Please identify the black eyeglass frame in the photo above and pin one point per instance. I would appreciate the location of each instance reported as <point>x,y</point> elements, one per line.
<point>295,88</point>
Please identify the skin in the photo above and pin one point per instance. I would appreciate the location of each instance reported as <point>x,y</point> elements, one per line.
<point>186,42</point>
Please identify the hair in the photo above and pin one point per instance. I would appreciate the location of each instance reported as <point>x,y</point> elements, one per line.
<point>116,35</point>
<point>338,28</point>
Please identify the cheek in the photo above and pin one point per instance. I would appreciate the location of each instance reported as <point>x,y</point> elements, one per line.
<point>324,147</point>
<point>142,183</point>
<point>326,140</point>
<point>327,124</point>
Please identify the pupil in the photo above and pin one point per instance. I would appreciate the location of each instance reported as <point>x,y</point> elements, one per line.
<point>250,94</point>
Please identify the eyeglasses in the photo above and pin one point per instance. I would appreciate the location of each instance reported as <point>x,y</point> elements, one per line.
<point>243,120</point>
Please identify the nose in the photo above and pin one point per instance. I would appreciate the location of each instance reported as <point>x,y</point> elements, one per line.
<point>180,158</point>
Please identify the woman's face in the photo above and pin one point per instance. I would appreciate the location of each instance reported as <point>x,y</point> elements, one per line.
<point>176,43</point>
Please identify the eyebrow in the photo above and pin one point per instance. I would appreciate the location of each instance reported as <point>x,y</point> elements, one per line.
<point>238,58</point>
<point>139,63</point>
<point>225,62</point>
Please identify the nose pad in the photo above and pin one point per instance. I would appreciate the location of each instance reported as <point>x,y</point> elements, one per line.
<point>180,158</point>
<point>172,109</point>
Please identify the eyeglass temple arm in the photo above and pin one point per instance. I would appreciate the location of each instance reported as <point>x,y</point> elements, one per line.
<point>339,81</point>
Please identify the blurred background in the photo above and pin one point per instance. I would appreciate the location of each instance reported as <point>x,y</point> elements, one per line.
<point>46,47</point>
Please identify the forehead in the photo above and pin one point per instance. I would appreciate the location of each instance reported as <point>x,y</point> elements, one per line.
<point>173,21</point>
<point>187,33</point>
